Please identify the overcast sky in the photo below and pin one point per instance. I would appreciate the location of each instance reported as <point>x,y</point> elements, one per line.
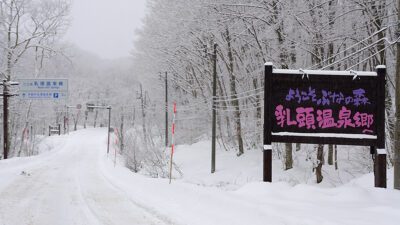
<point>105,27</point>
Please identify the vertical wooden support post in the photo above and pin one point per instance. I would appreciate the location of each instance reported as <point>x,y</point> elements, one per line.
<point>380,168</point>
<point>380,152</point>
<point>49,130</point>
<point>59,129</point>
<point>267,147</point>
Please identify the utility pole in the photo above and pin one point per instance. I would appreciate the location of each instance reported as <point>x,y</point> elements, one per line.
<point>166,109</point>
<point>5,120</point>
<point>214,110</point>
<point>6,93</point>
<point>397,128</point>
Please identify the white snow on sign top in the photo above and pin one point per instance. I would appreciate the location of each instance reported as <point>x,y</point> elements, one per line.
<point>325,72</point>
<point>381,67</point>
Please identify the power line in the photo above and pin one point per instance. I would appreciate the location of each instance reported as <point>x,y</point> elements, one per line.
<point>352,54</point>
<point>354,45</point>
<point>240,98</point>
<point>242,93</point>
<point>388,46</point>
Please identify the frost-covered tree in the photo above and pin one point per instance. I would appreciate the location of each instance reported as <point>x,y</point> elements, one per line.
<point>335,35</point>
<point>28,29</point>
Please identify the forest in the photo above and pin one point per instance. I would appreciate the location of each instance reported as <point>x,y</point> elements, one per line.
<point>174,56</point>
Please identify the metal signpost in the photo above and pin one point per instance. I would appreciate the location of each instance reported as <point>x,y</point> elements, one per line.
<point>90,108</point>
<point>325,107</point>
<point>43,88</point>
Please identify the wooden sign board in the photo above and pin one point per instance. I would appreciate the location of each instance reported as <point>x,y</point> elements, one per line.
<point>324,107</point>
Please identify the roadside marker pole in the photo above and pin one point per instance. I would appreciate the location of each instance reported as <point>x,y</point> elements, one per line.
<point>115,150</point>
<point>115,157</point>
<point>172,144</point>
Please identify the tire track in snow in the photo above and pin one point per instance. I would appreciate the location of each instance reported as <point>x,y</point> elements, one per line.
<point>59,190</point>
<point>150,210</point>
<point>105,202</point>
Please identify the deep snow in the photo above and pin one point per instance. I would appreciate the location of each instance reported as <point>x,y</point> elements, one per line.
<point>77,183</point>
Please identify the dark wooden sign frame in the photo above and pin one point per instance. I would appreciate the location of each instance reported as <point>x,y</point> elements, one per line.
<point>301,88</point>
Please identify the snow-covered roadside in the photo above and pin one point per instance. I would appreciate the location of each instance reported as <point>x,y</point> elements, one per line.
<point>198,198</point>
<point>233,172</point>
<point>49,148</point>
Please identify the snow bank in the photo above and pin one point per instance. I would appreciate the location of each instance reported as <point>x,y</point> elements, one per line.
<point>234,194</point>
<point>232,172</point>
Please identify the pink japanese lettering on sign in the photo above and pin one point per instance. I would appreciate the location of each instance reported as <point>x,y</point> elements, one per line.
<point>305,117</point>
<point>345,118</point>
<point>325,119</point>
<point>283,115</point>
<point>310,118</point>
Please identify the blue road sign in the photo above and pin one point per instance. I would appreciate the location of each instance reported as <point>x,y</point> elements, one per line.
<point>43,89</point>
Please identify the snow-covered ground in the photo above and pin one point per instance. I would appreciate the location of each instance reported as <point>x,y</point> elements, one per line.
<point>233,172</point>
<point>76,183</point>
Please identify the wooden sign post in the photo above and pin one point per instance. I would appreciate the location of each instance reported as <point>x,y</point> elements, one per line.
<point>325,107</point>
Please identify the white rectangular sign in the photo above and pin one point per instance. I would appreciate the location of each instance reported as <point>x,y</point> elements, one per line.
<point>43,88</point>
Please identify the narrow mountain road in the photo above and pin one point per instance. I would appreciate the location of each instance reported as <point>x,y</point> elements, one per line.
<point>68,187</point>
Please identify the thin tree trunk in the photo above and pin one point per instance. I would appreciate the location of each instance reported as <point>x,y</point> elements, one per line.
<point>336,163</point>
<point>76,120</point>
<point>330,155</point>
<point>86,117</point>
<point>142,98</point>
<point>288,157</point>
<point>284,61</point>
<point>95,118</point>
<point>397,127</point>
<point>24,130</point>
<point>318,170</point>
<point>121,135</point>
<point>235,101</point>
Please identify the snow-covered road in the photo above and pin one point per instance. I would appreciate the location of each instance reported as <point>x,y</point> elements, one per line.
<point>68,187</point>
<point>76,183</point>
